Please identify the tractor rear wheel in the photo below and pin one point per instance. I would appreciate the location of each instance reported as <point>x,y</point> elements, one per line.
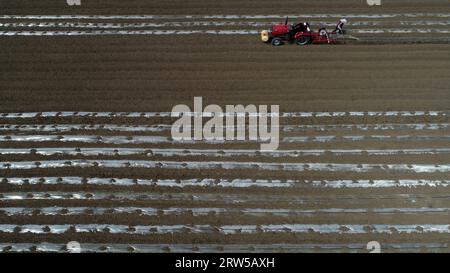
<point>303,40</point>
<point>277,42</point>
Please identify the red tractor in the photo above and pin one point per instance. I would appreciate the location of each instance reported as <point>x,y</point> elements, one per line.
<point>301,34</point>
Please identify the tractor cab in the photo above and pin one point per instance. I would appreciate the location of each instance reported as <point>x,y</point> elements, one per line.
<point>301,27</point>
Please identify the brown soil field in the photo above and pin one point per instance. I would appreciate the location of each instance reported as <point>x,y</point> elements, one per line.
<point>149,74</point>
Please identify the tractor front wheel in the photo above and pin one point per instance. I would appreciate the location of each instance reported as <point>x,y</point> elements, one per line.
<point>303,40</point>
<point>277,42</point>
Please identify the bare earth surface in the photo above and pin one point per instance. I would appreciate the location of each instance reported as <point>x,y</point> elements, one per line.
<point>86,153</point>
